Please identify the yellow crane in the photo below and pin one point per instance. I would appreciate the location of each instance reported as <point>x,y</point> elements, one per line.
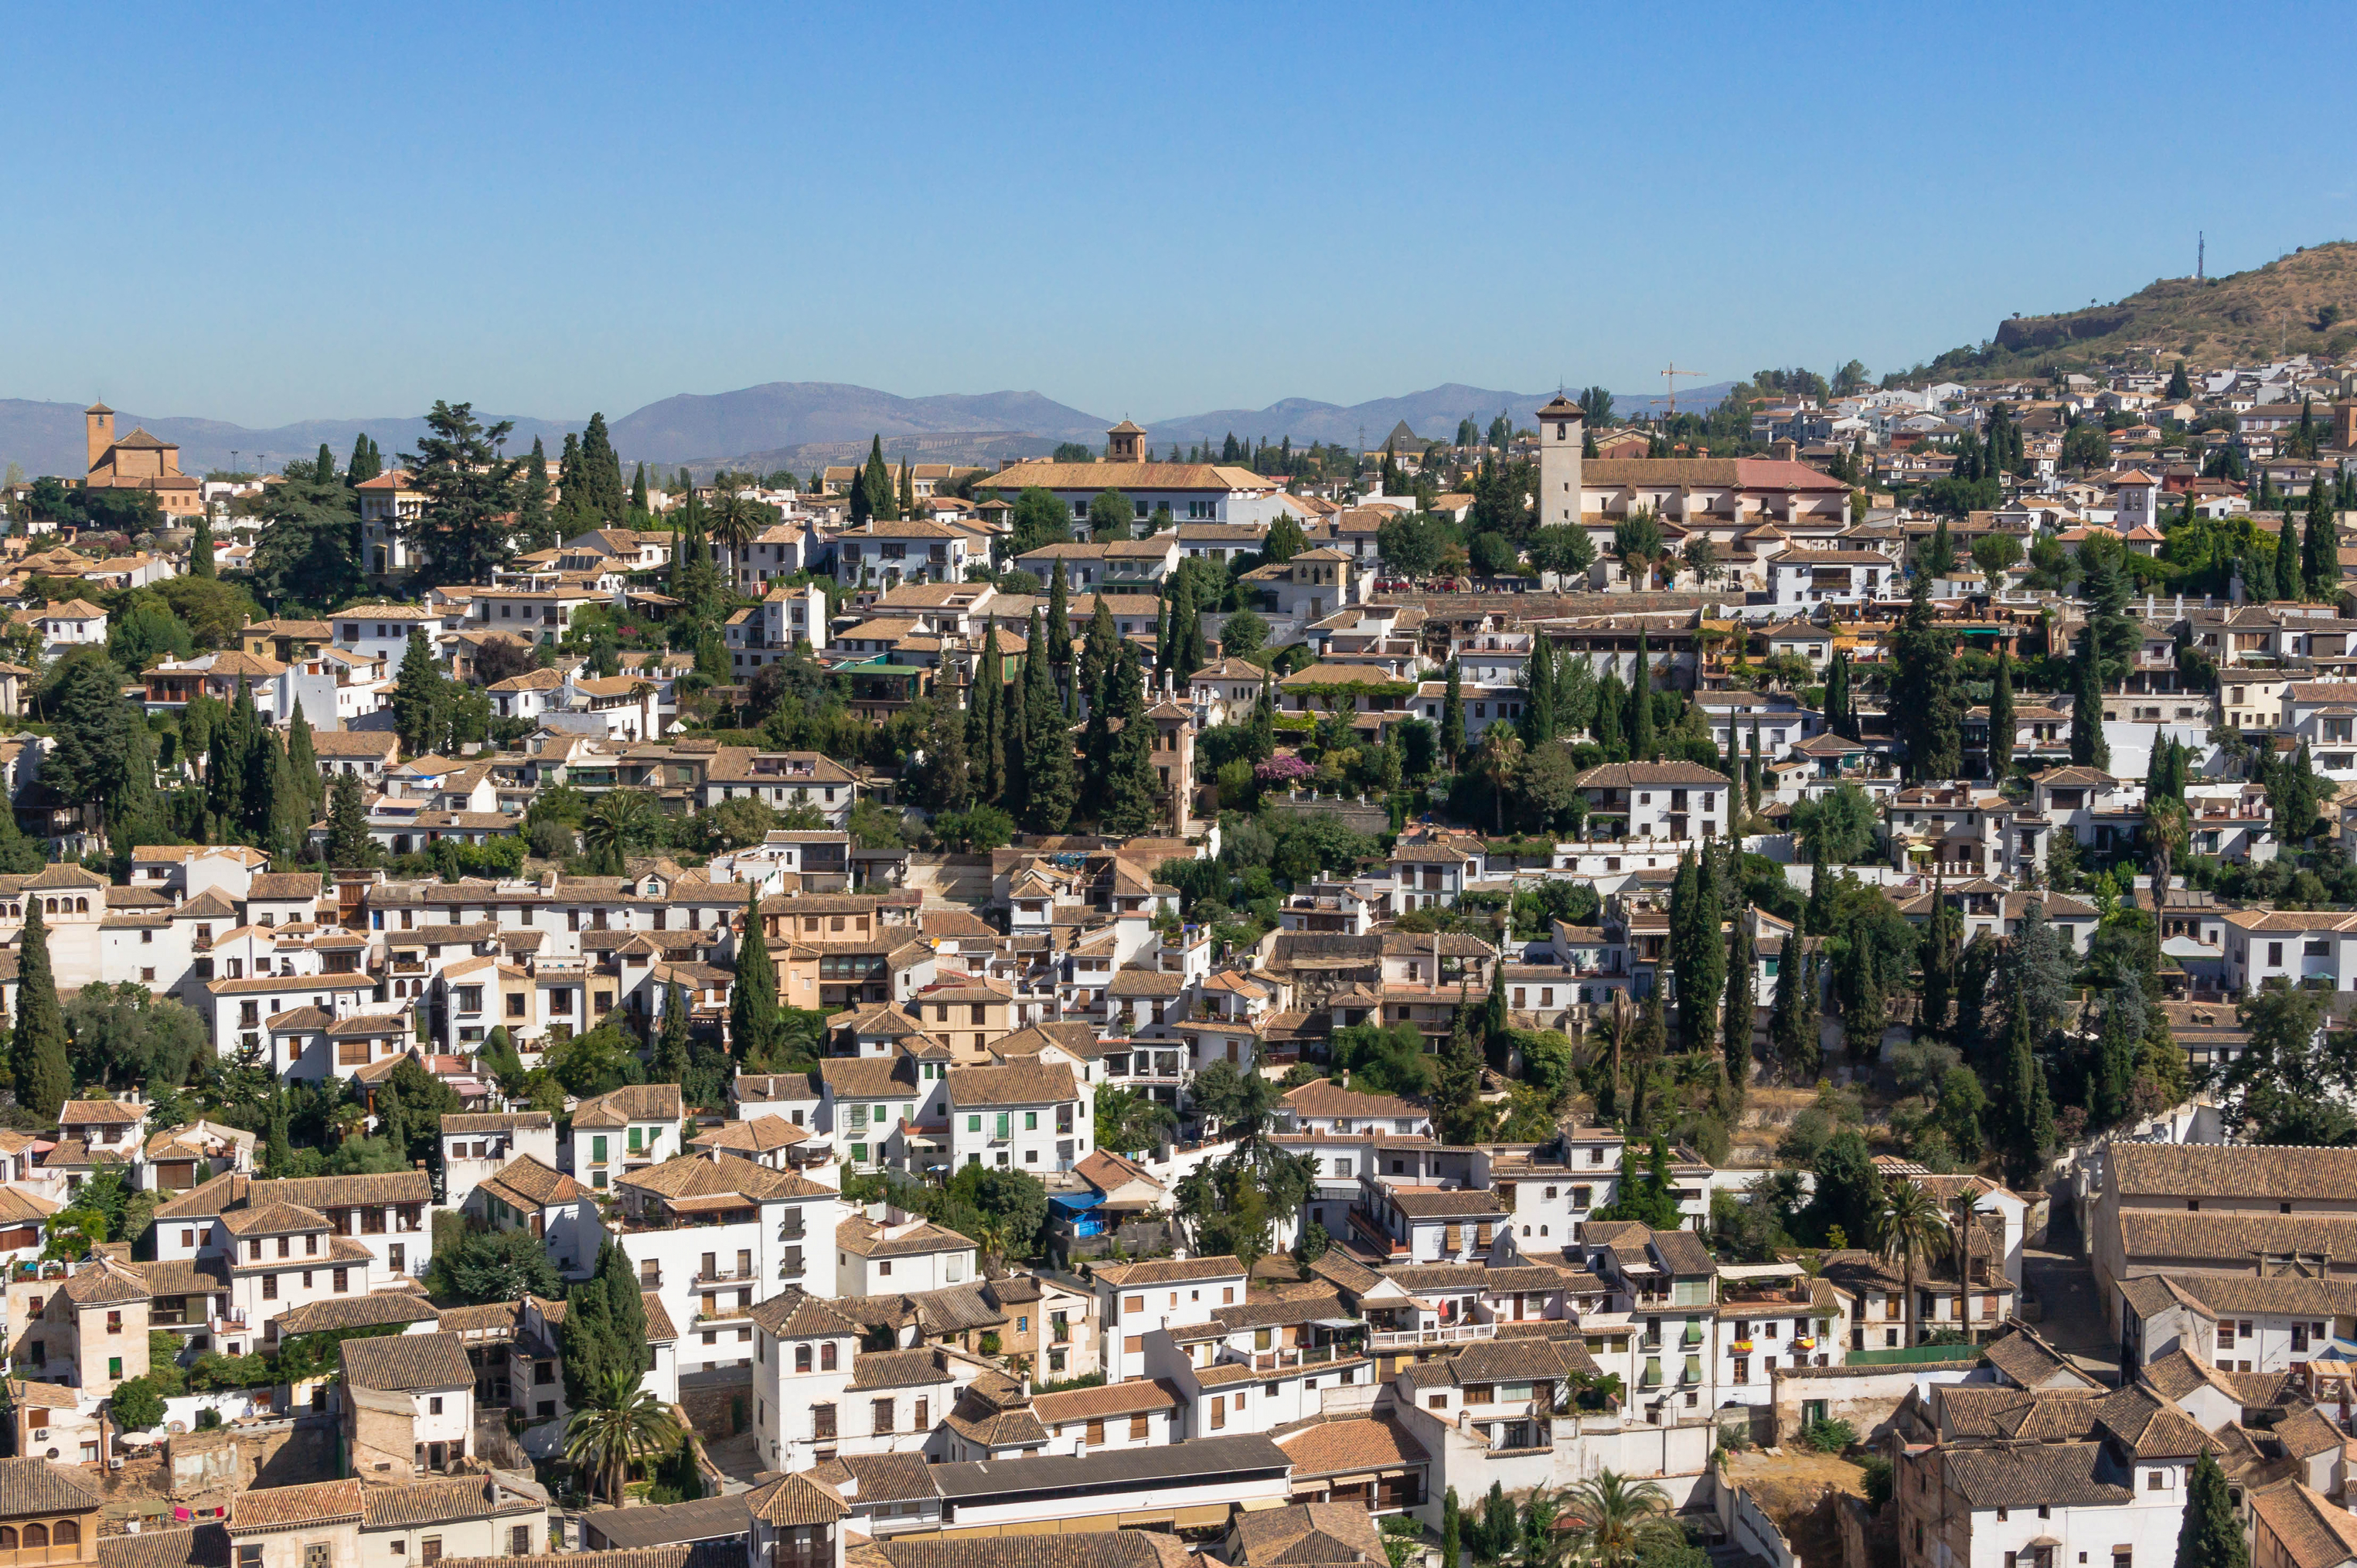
<point>1668,382</point>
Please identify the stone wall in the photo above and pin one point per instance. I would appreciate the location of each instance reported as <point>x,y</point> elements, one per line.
<point>718,1409</point>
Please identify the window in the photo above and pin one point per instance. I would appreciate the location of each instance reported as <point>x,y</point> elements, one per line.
<point>883,1416</point>
<point>434,1405</point>
<point>318,1554</point>
<point>2156,1480</point>
<point>520,1540</point>
<point>826,1357</point>
<point>249,1556</point>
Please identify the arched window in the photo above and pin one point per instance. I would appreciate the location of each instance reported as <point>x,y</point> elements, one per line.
<point>36,1535</point>
<point>48,905</point>
<point>82,905</point>
<point>826,1357</point>
<point>68,1533</point>
<point>802,1358</point>
<point>8,1538</point>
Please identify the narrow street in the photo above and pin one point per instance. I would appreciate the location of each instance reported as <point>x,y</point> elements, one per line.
<point>2072,1320</point>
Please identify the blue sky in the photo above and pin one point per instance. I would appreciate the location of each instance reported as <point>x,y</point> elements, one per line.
<point>347,211</point>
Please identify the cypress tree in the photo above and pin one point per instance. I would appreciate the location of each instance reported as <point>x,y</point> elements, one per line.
<point>1817,915</point>
<point>601,475</point>
<point>2025,1111</point>
<point>290,805</point>
<point>1939,961</point>
<point>1702,976</point>
<point>2288,573</point>
<point>753,1032</point>
<point>1452,716</point>
<point>532,519</point>
<point>639,504</point>
<point>572,514</point>
<point>1785,1010</point>
<point>257,769</point>
<point>2319,548</point>
<point>1641,704</point>
<point>1735,1031</point>
<point>2088,747</point>
<point>982,733</point>
<point>1538,711</point>
<point>908,491</point>
<point>1130,807</point>
<point>1838,717</point>
<point>278,1149</point>
<point>1939,556</point>
<point>2211,1536</point>
<point>299,752</point>
<point>1059,632</point>
<point>323,467</point>
<point>1611,706</point>
<point>2001,730</point>
<point>1049,787</point>
<point>38,1044</point>
<point>366,462</point>
<point>671,1052</point>
<point>1752,769</point>
<point>882,497</point>
<point>348,843</point>
<point>417,696</point>
<point>1098,654</point>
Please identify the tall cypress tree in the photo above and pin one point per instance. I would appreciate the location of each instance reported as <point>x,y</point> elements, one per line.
<point>1735,1031</point>
<point>1641,704</point>
<point>753,1032</point>
<point>290,805</point>
<point>417,696</point>
<point>1838,717</point>
<point>1611,709</point>
<point>1050,786</point>
<point>306,759</point>
<point>38,1044</point>
<point>1940,960</point>
<point>2001,731</point>
<point>366,463</point>
<point>908,491</point>
<point>2320,546</point>
<point>601,475</point>
<point>1753,770</point>
<point>640,506</point>
<point>1538,711</point>
<point>1785,1010</point>
<point>984,734</point>
<point>671,1053</point>
<point>882,498</point>
<point>2288,576</point>
<point>2087,746</point>
<point>349,845</point>
<point>1099,653</point>
<point>2025,1128</point>
<point>200,551</point>
<point>1130,807</point>
<point>533,524</point>
<point>1059,634</point>
<point>1452,716</point>
<point>572,490</point>
<point>2211,1535</point>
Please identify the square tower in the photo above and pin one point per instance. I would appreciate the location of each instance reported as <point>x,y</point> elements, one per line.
<point>1562,432</point>
<point>97,432</point>
<point>1122,442</point>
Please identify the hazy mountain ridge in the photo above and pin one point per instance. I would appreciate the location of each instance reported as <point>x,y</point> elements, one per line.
<point>47,437</point>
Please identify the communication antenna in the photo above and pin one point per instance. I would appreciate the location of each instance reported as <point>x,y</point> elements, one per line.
<point>2201,253</point>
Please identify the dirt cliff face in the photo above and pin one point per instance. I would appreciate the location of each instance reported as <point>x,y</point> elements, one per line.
<point>2303,303</point>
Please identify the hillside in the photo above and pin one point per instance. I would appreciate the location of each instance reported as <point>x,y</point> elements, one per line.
<point>789,416</point>
<point>47,437</point>
<point>2303,303</point>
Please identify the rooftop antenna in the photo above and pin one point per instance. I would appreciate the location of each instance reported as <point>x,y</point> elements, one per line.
<point>2201,253</point>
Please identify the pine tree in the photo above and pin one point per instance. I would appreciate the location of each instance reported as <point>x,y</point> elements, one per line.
<point>201,551</point>
<point>37,1042</point>
<point>753,1031</point>
<point>2001,730</point>
<point>2211,1535</point>
<point>1641,704</point>
<point>1735,1031</point>
<point>1130,807</point>
<point>417,696</point>
<point>1452,716</point>
<point>1051,787</point>
<point>349,845</point>
<point>671,1052</point>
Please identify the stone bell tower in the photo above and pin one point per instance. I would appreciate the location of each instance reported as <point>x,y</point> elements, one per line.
<point>97,432</point>
<point>1123,443</point>
<point>1563,430</point>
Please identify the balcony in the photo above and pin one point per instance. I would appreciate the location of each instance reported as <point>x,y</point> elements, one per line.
<point>1296,1356</point>
<point>727,1276</point>
<point>651,1278</point>
<point>724,1314</point>
<point>1444,1334</point>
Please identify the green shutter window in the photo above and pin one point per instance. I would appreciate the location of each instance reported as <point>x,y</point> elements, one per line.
<point>1653,1376</point>
<point>974,1123</point>
<point>634,1140</point>
<point>1693,1370</point>
<point>598,1150</point>
<point>114,1366</point>
<point>859,1153</point>
<point>1031,1121</point>
<point>1002,1124</point>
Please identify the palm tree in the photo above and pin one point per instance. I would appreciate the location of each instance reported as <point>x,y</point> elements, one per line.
<point>1501,754</point>
<point>733,523</point>
<point>1910,1225</point>
<point>620,818</point>
<point>1618,1521</point>
<point>622,1425</point>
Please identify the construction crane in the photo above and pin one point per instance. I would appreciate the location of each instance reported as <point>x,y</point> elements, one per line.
<point>1668,382</point>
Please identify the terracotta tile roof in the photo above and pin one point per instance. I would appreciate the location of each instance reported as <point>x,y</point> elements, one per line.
<point>2313,1530</point>
<point>1167,1272</point>
<point>289,1508</point>
<point>635,1102</point>
<point>1359,1442</point>
<point>359,1311</point>
<point>1017,1083</point>
<point>1307,1532</point>
<point>794,1314</point>
<point>191,1546</point>
<point>1137,1396</point>
<point>406,1362</point>
<point>525,1183</point>
<point>441,1503</point>
<point>2075,1475</point>
<point>794,1499</point>
<point>919,1367</point>
<point>694,1176</point>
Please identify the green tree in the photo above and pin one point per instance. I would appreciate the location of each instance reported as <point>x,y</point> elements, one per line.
<point>1925,702</point>
<point>1458,1115</point>
<point>1284,540</point>
<point>1735,1032</point>
<point>1110,515</point>
<point>605,1328</point>
<point>2211,1535</point>
<point>37,1042</point>
<point>1452,716</point>
<point>200,551</point>
<point>2088,748</point>
<point>535,527</point>
<point>619,1425</point>
<point>467,487</point>
<point>1839,717</point>
<point>1618,1523</point>
<point>1130,806</point>
<point>495,1265</point>
<point>2320,546</point>
<point>669,1063</point>
<point>93,726</point>
<point>882,495</point>
<point>619,822</point>
<point>418,698</point>
<point>367,461</point>
<point>755,1036</point>
<point>348,843</point>
<point>1909,1226</point>
<point>1041,518</point>
<point>1050,782</point>
<point>1641,704</point>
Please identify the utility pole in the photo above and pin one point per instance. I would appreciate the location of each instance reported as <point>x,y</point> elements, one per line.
<point>2201,253</point>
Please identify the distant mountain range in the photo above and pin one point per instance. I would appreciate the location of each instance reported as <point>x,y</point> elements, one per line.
<point>803,425</point>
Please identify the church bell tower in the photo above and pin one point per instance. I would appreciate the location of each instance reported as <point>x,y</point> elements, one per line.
<point>1563,431</point>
